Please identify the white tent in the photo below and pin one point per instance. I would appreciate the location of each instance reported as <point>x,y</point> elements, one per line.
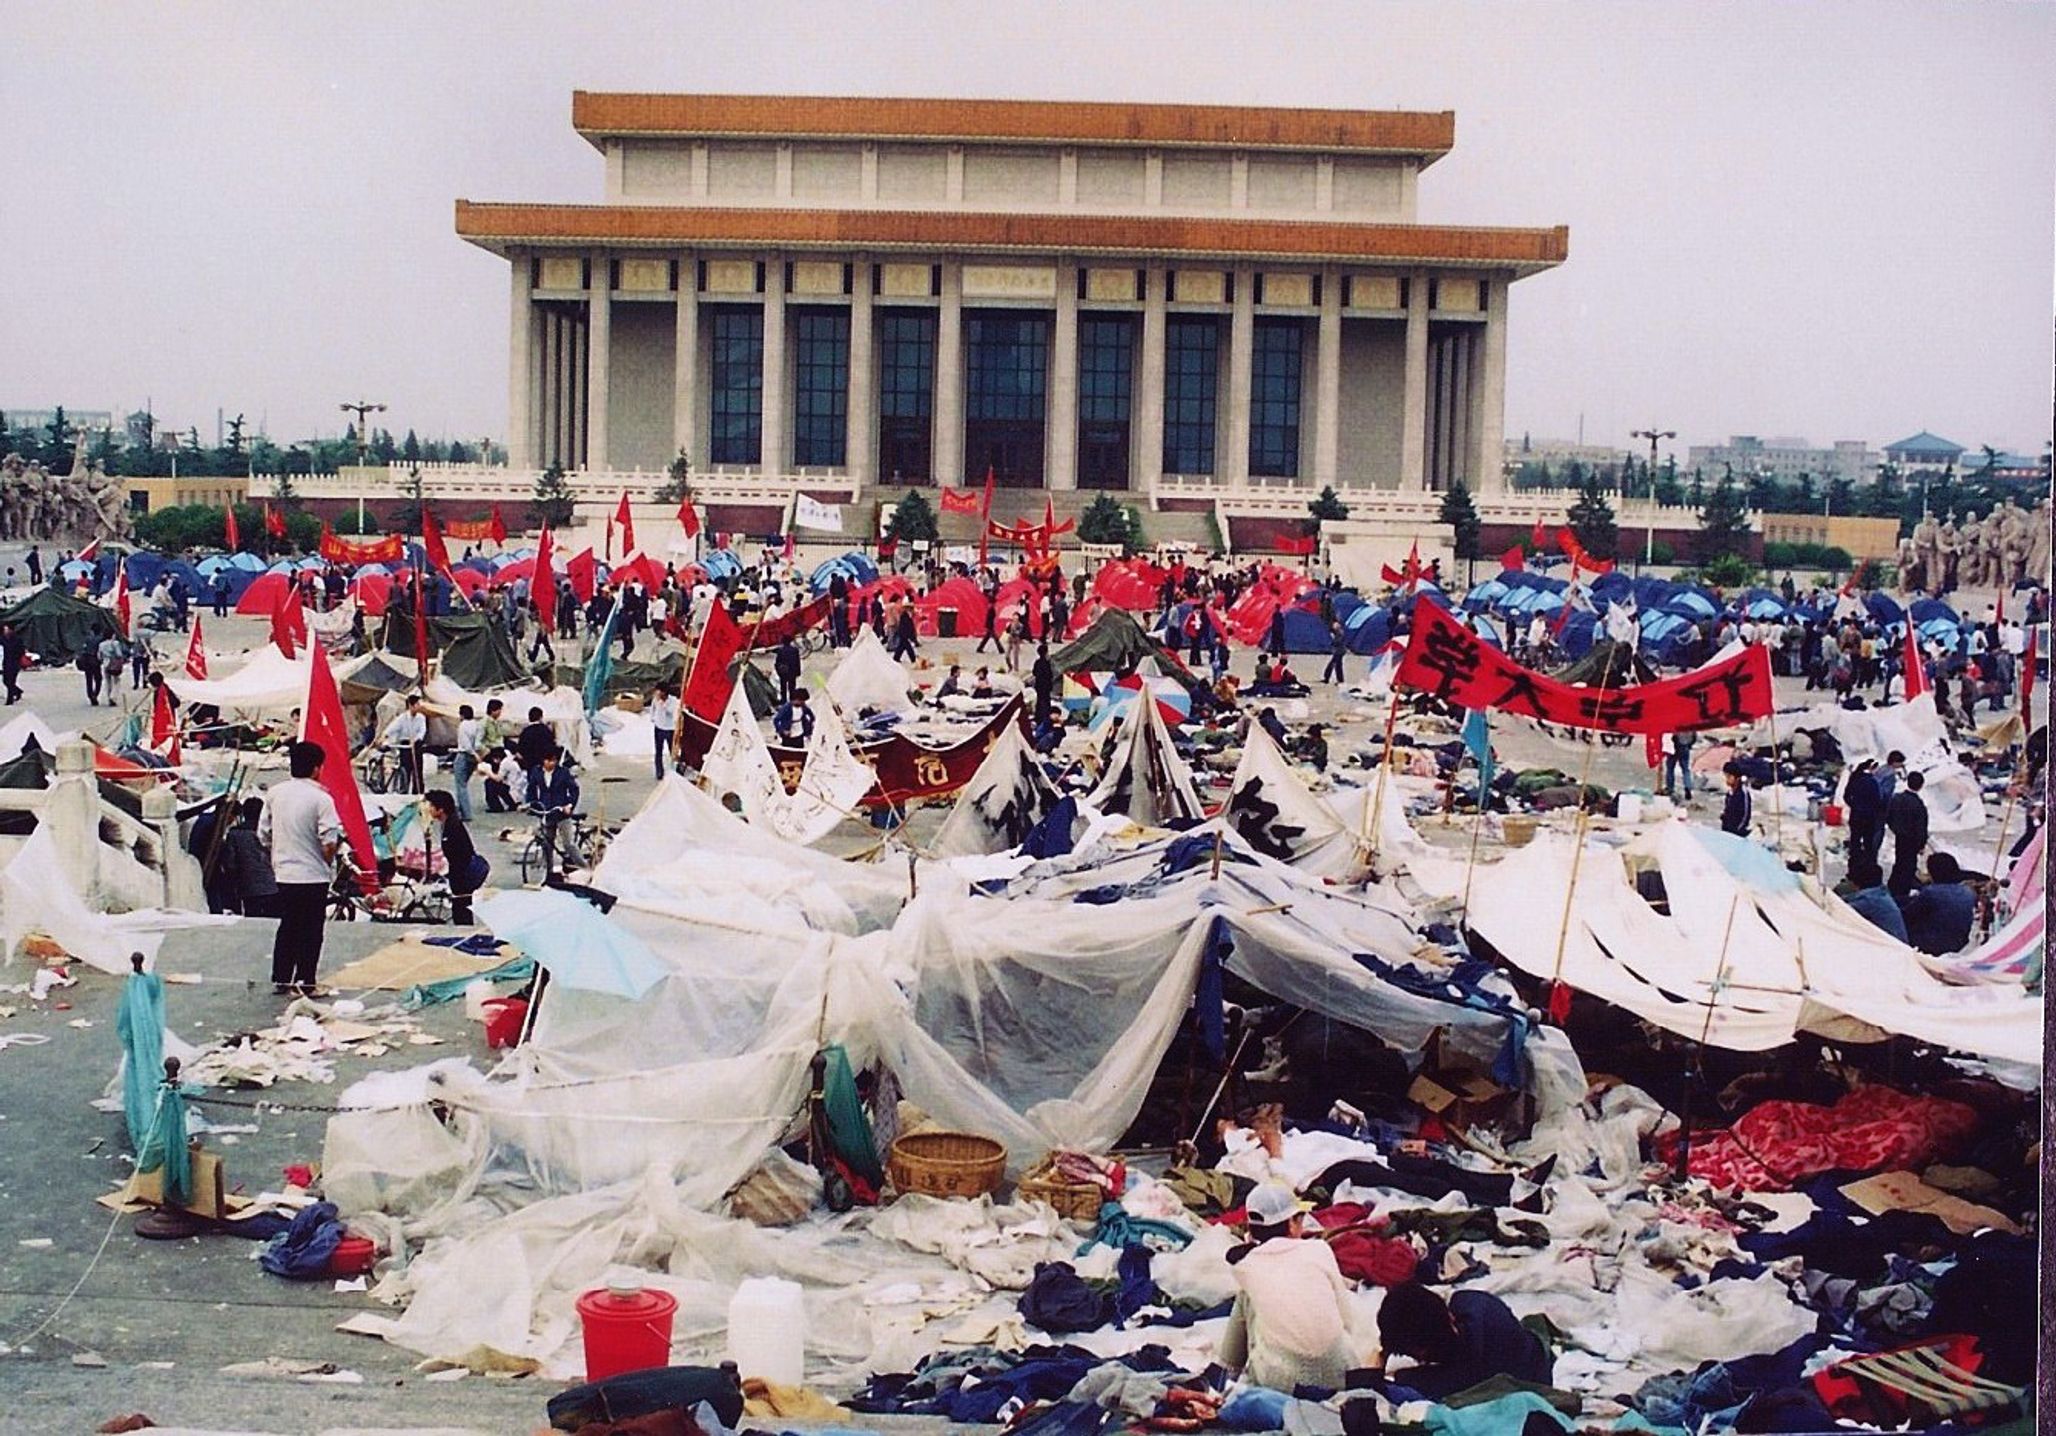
<point>563,709</point>
<point>1145,780</point>
<point>268,684</point>
<point>1006,797</point>
<point>869,678</point>
<point>1954,801</point>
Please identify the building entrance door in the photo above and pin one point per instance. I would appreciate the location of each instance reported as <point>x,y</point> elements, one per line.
<point>1006,391</point>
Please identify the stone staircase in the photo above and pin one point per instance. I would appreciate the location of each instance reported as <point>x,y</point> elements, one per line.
<point>1018,506</point>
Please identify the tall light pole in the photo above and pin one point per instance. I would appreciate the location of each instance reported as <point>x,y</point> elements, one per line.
<point>1652,434</point>
<point>363,409</point>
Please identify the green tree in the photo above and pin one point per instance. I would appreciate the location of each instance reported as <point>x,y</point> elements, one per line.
<point>234,446</point>
<point>913,517</point>
<point>57,437</point>
<point>1328,505</point>
<point>1593,522</point>
<point>1841,496</point>
<point>553,500</point>
<point>459,452</point>
<point>410,448</point>
<point>282,486</point>
<point>1803,499</point>
<point>1723,525</point>
<point>416,490</point>
<point>677,479</point>
<point>1104,521</point>
<point>1462,517</point>
<point>1668,491</point>
<point>1728,570</point>
<point>383,449</point>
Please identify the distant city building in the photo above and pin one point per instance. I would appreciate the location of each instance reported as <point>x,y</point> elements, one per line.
<point>93,421</point>
<point>2003,465</point>
<point>1558,454</point>
<point>147,496</point>
<point>1924,453</point>
<point>1785,459</point>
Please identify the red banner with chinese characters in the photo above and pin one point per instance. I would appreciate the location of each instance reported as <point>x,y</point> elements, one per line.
<point>472,530</point>
<point>388,550</point>
<point>774,631</point>
<point>1447,660</point>
<point>907,771</point>
<point>959,501</point>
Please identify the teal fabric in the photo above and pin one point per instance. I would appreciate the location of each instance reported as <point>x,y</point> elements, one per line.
<point>600,666</point>
<point>1120,1231</point>
<point>139,1023</point>
<point>165,1144</point>
<point>848,1126</point>
<point>429,994</point>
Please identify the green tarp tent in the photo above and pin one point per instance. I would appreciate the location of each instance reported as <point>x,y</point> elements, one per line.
<point>56,626</point>
<point>1116,644</point>
<point>476,654</point>
<point>633,677</point>
<point>1608,664</point>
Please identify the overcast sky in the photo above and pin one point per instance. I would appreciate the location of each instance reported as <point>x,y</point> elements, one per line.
<point>1830,220</point>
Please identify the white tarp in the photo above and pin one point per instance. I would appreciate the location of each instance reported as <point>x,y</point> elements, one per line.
<point>563,709</point>
<point>14,738</point>
<point>868,678</point>
<point>268,684</point>
<point>1145,779</point>
<point>1006,797</point>
<point>1272,810</point>
<point>831,783</point>
<point>1954,801</point>
<point>37,894</point>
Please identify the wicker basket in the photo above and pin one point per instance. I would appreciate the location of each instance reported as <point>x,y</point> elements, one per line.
<point>947,1164</point>
<point>1079,1201</point>
<point>1519,831</point>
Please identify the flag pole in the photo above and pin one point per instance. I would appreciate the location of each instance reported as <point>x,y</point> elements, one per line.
<point>1720,973</point>
<point>1563,927</point>
<point>1477,831</point>
<point>1374,811</point>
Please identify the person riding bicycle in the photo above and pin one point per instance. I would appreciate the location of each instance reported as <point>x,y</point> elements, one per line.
<point>553,796</point>
<point>406,735</point>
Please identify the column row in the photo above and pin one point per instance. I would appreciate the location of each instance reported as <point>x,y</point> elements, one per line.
<point>892,387</point>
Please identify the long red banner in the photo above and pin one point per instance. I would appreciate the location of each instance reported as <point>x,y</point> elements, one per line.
<point>1447,660</point>
<point>381,550</point>
<point>907,771</point>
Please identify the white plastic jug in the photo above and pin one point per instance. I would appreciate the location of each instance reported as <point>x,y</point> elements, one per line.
<point>476,995</point>
<point>1630,807</point>
<point>767,1330</point>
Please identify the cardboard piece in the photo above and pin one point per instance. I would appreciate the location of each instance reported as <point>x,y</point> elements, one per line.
<point>1905,1192</point>
<point>210,1193</point>
<point>1460,1099</point>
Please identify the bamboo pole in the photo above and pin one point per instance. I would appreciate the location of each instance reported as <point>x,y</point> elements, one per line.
<point>1777,786</point>
<point>1374,811</point>
<point>1563,927</point>
<point>1720,973</point>
<point>1471,864</point>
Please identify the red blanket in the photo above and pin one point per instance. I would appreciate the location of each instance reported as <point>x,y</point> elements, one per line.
<point>1873,1129</point>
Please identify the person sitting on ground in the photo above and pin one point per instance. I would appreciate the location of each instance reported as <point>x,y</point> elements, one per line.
<point>1314,747</point>
<point>1940,914</point>
<point>1267,719</point>
<point>952,683</point>
<point>503,778</point>
<point>1290,1325</point>
<point>794,721</point>
<point>981,685</point>
<point>1472,1337</point>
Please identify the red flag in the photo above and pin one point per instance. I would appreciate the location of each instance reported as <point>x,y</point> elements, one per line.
<point>1515,558</point>
<point>625,521</point>
<point>1301,547</point>
<point>610,540</point>
<point>228,517</point>
<point>1570,593</point>
<point>888,546</point>
<point>123,617</point>
<point>1409,574</point>
<point>788,548</point>
<point>163,721</point>
<point>498,532</point>
<point>274,522</point>
<point>707,683</point>
<point>1916,671</point>
<point>420,627</point>
<point>90,552</point>
<point>542,587</point>
<point>1540,539</point>
<point>1652,749</point>
<point>583,571</point>
<point>985,534</point>
<point>196,656</point>
<point>432,544</point>
<point>689,519</point>
<point>323,725</point>
<point>289,622</point>
<point>2027,678</point>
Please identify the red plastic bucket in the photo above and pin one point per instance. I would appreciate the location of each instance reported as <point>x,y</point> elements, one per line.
<point>626,1331</point>
<point>504,1017</point>
<point>1831,814</point>
<point>353,1256</point>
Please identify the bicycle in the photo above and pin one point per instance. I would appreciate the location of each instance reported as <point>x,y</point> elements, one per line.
<point>581,842</point>
<point>406,898</point>
<point>377,770</point>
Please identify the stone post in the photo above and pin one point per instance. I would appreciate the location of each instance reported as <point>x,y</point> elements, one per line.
<point>1328,383</point>
<point>1149,384</point>
<point>1063,383</point>
<point>771,457</point>
<point>599,341</point>
<point>182,886</point>
<point>1413,408</point>
<point>72,813</point>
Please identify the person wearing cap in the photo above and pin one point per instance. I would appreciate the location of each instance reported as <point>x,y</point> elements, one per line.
<point>1471,1337</point>
<point>1290,1325</point>
<point>1736,811</point>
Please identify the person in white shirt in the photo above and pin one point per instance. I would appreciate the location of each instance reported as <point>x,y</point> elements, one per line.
<point>506,781</point>
<point>1290,1325</point>
<point>663,724</point>
<point>302,828</point>
<point>405,736</point>
<point>464,762</point>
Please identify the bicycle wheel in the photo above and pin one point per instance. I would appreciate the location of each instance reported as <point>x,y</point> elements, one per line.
<point>374,777</point>
<point>533,866</point>
<point>432,908</point>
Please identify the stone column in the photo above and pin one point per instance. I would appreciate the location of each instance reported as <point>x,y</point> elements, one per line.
<point>1488,423</point>
<point>520,367</point>
<point>71,811</point>
<point>685,368</point>
<point>1445,415</point>
<point>1413,404</point>
<point>1460,409</point>
<point>1148,465</point>
<point>861,439</point>
<point>599,335</point>
<point>1232,465</point>
<point>949,379</point>
<point>1062,445</point>
<point>183,889</point>
<point>1328,383</point>
<point>771,453</point>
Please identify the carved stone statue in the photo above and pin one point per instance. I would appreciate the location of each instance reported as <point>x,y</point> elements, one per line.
<point>1909,566</point>
<point>2013,541</point>
<point>2037,567</point>
<point>1927,550</point>
<point>1970,555</point>
<point>39,507</point>
<point>1948,556</point>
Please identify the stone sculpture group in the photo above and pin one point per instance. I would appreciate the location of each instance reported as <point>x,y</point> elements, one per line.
<point>2007,545</point>
<point>37,506</point>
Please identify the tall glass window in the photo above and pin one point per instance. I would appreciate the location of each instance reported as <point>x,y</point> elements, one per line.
<point>1007,372</point>
<point>1192,366</point>
<point>736,342</point>
<point>906,393</point>
<point>1274,398</point>
<point>1106,368</point>
<point>821,387</point>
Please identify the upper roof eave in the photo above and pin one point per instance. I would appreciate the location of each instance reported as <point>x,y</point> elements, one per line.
<point>1425,135</point>
<point>501,227</point>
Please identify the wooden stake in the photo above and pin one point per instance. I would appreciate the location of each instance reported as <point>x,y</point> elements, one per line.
<point>1375,809</point>
<point>1563,928</point>
<point>1777,787</point>
<point>1471,865</point>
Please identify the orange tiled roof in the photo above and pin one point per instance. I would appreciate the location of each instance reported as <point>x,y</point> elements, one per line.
<point>1411,132</point>
<point>499,226</point>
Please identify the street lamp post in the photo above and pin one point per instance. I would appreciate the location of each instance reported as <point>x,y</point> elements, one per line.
<point>363,409</point>
<point>1652,434</point>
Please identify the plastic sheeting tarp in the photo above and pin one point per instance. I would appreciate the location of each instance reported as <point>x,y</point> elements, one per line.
<point>1955,802</point>
<point>268,684</point>
<point>1145,779</point>
<point>37,894</point>
<point>869,678</point>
